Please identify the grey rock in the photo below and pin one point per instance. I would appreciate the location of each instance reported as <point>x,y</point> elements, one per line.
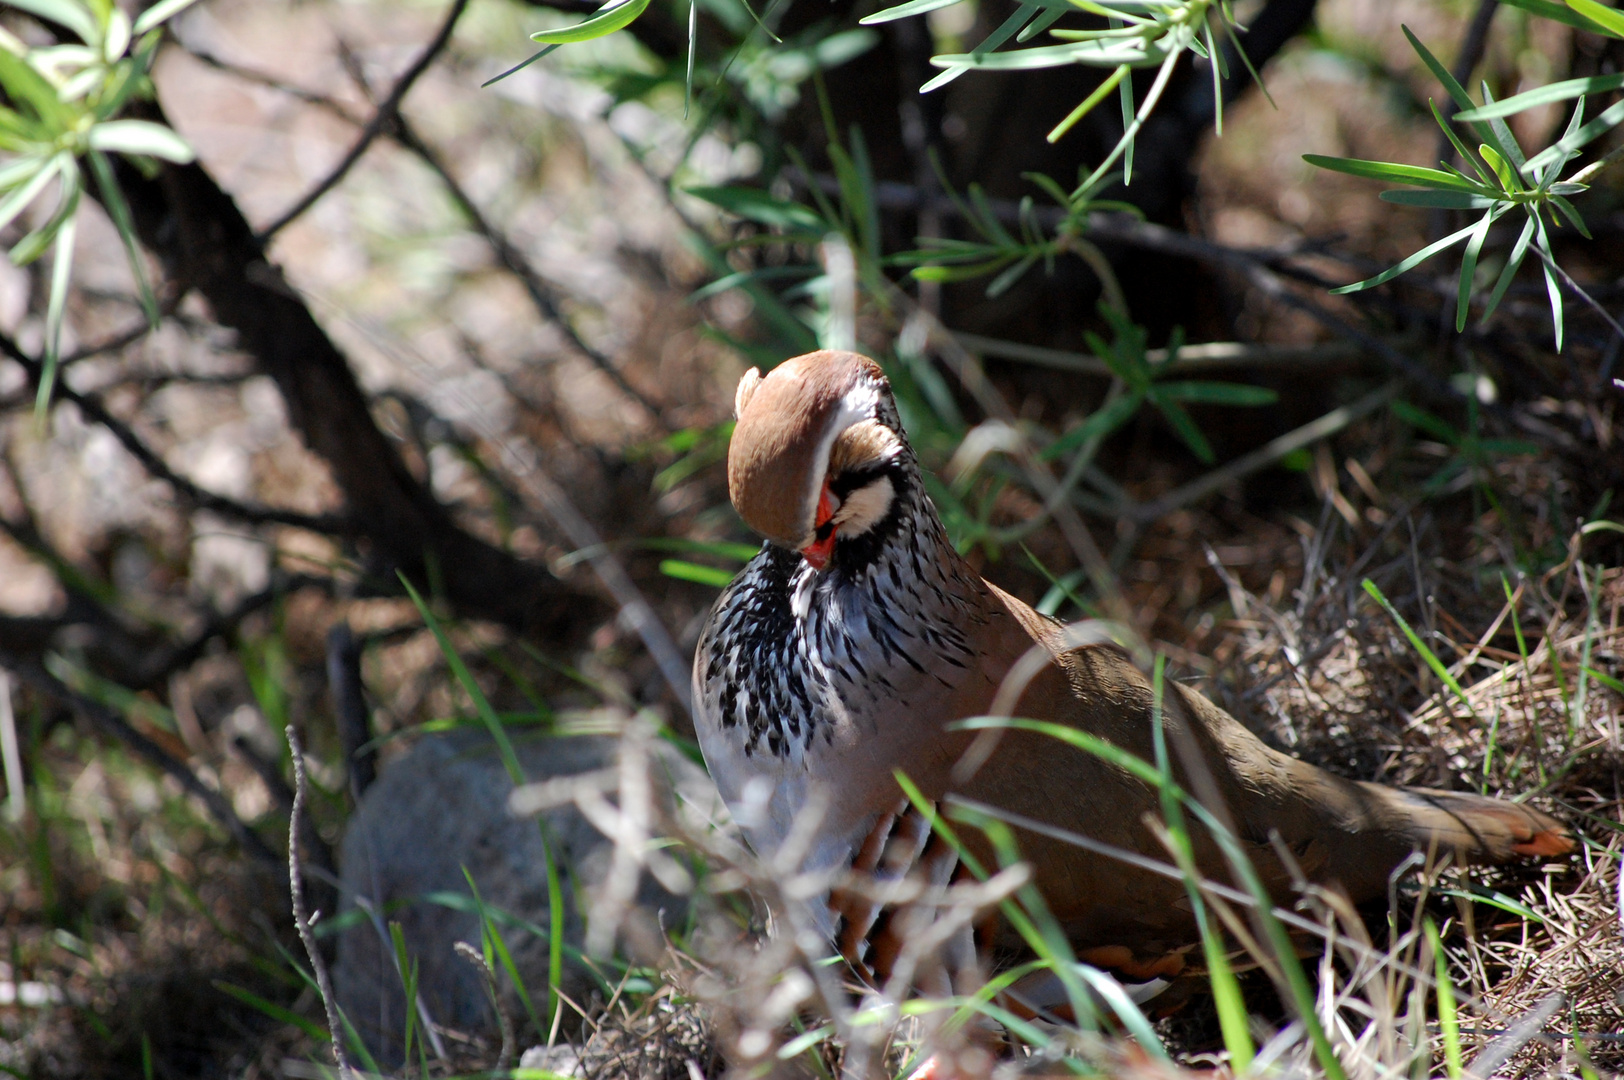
<point>562,1059</point>
<point>443,808</point>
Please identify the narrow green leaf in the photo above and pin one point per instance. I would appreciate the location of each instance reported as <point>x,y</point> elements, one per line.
<point>1460,148</point>
<point>1407,264</point>
<point>1572,214</point>
<point>1468,270</point>
<point>1503,138</point>
<point>701,575</point>
<point>119,210</point>
<point>1544,95</point>
<point>1183,426</point>
<point>1608,19</point>
<point>1002,283</point>
<point>520,66</point>
<point>1513,261</point>
<point>1087,104</point>
<point>29,87</point>
<point>606,22</point>
<point>1100,423</point>
<point>482,705</point>
<point>1387,170</point>
<point>1502,171</point>
<point>141,137</point>
<point>496,944</point>
<point>161,12</point>
<point>1217,393</point>
<point>1605,121</point>
<point>1493,898</point>
<point>1561,13</point>
<point>24,194</point>
<point>61,277</point>
<point>1448,1015</point>
<point>312,1030</point>
<point>903,11</point>
<point>1420,418</point>
<point>1553,291</point>
<point>756,205</point>
<point>1441,73</point>
<point>1092,53</point>
<point>1020,25</point>
<point>1039,25</point>
<point>72,14</point>
<point>1499,135</point>
<point>1444,200</point>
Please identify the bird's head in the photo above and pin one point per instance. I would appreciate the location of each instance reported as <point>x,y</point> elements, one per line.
<point>818,455</point>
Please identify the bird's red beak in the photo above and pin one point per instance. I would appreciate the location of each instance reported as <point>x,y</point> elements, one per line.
<point>823,545</point>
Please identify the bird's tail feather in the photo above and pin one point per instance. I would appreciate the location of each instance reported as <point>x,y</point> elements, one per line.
<point>1476,828</point>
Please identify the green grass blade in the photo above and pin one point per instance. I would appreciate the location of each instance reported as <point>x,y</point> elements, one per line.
<point>496,948</point>
<point>1226,990</point>
<point>312,1030</point>
<point>510,760</point>
<point>1420,647</point>
<point>683,570</point>
<point>1448,1015</point>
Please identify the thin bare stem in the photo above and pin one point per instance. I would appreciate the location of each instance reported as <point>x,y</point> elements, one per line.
<point>301,917</point>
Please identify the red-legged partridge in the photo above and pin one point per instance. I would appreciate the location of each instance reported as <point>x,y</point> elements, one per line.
<point>848,646</point>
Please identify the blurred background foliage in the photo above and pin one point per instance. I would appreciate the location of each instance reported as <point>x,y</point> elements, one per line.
<point>297,306</point>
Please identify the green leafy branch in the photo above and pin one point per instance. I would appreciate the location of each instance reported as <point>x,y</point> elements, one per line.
<point>1503,180</point>
<point>1144,382</point>
<point>1010,257</point>
<point>64,103</point>
<point>1138,34</point>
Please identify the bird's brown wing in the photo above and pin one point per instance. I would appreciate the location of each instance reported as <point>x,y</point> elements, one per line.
<point>1331,828</point>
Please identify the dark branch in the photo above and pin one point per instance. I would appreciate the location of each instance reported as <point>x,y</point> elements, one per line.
<point>203,499</point>
<point>350,707</point>
<point>157,670</point>
<point>203,242</point>
<point>386,114</point>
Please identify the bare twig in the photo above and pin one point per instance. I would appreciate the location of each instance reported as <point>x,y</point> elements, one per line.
<point>386,115</point>
<point>504,1020</point>
<point>301,917</point>
<point>508,254</point>
<point>1578,290</point>
<point>542,294</point>
<point>1205,356</point>
<point>162,664</point>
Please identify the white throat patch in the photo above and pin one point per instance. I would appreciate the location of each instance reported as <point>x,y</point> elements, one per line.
<point>865,508</point>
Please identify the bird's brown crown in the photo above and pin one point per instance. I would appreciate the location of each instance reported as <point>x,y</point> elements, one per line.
<point>788,423</point>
